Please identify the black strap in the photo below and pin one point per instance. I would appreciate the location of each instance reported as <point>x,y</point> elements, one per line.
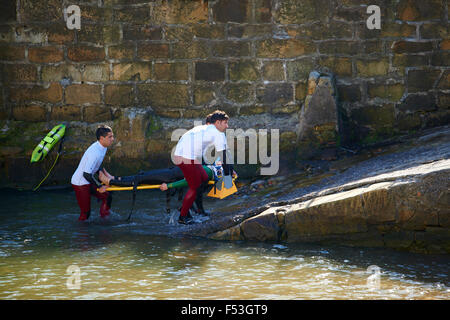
<point>135,185</point>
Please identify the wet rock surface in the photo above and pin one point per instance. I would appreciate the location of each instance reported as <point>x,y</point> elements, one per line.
<point>395,196</point>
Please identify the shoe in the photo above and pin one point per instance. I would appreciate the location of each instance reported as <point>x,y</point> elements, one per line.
<point>185,220</point>
<point>84,216</point>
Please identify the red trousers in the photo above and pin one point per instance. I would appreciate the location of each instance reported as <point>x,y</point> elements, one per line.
<point>194,175</point>
<point>83,194</point>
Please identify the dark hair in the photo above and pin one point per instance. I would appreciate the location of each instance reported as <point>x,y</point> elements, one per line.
<point>102,131</point>
<point>218,115</point>
<point>208,118</point>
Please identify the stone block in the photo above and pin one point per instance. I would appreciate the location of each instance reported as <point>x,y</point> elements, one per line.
<point>402,61</point>
<point>132,14</point>
<point>299,69</point>
<point>45,54</point>
<point>210,71</point>
<point>196,49</point>
<point>171,71</point>
<point>301,89</point>
<point>376,117</point>
<point>301,12</point>
<point>95,14</point>
<point>239,93</point>
<point>418,102</point>
<point>233,11</point>
<point>422,80</point>
<point>263,11</point>
<point>208,31</point>
<point>440,58</point>
<point>95,72</point>
<point>273,71</point>
<point>52,93</point>
<point>244,70</point>
<point>444,82</point>
<point>393,92</point>
<point>408,122</point>
<point>349,93</point>
<point>252,110</point>
<point>19,72</point>
<point>418,10</point>
<point>31,113</point>
<point>163,95</point>
<point>140,33</point>
<point>444,100</point>
<point>150,51</point>
<point>203,94</point>
<point>99,35</point>
<point>231,49</point>
<point>399,47</point>
<point>12,53</point>
<point>437,118</point>
<point>97,114</point>
<point>39,11</point>
<point>57,33</point>
<point>136,71</point>
<point>179,12</point>
<point>276,94</point>
<point>119,95</point>
<point>251,31</point>
<point>339,66</point>
<point>339,47</point>
<point>8,11</point>
<point>121,52</point>
<point>284,48</point>
<point>62,71</point>
<point>351,14</point>
<point>86,54</point>
<point>371,68</point>
<point>434,31</point>
<point>179,33</point>
<point>83,93</point>
<point>322,30</point>
<point>445,44</point>
<point>66,113</point>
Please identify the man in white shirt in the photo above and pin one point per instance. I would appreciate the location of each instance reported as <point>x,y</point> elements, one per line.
<point>83,180</point>
<point>189,152</point>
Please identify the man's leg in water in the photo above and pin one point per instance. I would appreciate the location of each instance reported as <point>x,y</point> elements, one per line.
<point>83,195</point>
<point>106,199</point>
<point>194,175</point>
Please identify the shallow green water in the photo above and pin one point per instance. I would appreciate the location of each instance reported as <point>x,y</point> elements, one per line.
<point>45,253</point>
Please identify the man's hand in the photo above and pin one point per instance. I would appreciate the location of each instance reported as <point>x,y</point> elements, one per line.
<point>106,173</point>
<point>102,189</point>
<point>103,178</point>
<point>163,187</point>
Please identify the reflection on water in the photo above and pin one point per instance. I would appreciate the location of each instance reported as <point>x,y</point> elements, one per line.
<point>40,239</point>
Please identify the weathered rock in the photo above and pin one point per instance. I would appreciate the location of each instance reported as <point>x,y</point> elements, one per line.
<point>318,125</point>
<point>397,205</point>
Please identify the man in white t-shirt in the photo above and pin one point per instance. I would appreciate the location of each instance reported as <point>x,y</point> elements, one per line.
<point>83,180</point>
<point>189,152</point>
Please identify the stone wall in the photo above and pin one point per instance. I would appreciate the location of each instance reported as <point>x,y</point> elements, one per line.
<point>149,67</point>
